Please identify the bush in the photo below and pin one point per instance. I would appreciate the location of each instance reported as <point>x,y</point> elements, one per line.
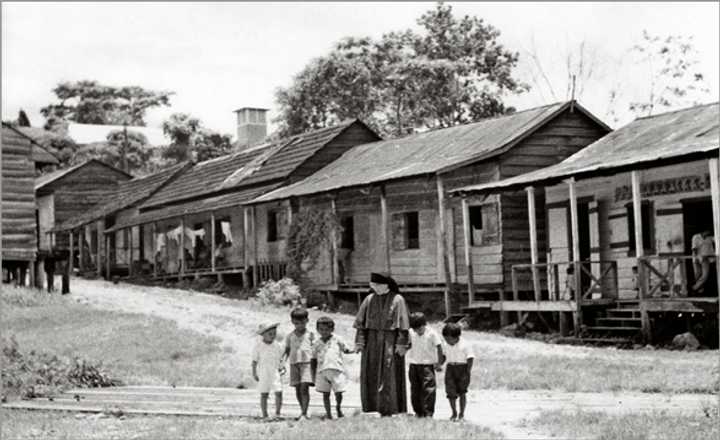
<point>35,374</point>
<point>280,293</point>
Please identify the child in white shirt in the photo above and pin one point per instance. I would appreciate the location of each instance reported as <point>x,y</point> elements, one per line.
<point>459,358</point>
<point>425,357</point>
<point>327,365</point>
<point>267,367</point>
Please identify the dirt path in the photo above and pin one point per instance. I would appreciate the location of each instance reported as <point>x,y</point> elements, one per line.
<point>234,323</point>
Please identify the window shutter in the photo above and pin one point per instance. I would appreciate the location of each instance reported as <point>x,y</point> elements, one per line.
<point>491,230</point>
<point>399,231</point>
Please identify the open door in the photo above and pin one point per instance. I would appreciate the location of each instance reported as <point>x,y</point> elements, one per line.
<point>697,218</point>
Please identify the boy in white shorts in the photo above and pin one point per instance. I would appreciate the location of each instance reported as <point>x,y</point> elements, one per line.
<point>267,367</point>
<point>327,365</point>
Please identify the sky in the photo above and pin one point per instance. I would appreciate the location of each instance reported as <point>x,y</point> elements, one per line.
<point>218,57</point>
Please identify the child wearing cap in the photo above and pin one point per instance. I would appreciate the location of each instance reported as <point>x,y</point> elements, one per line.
<point>267,367</point>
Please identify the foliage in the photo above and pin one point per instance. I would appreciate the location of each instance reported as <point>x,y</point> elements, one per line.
<point>675,80</point>
<point>137,151</point>
<point>190,140</point>
<point>23,120</point>
<point>453,71</point>
<point>35,374</point>
<point>310,231</point>
<point>89,102</point>
<point>283,292</point>
<point>61,145</point>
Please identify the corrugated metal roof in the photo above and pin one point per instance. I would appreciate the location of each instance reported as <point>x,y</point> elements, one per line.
<point>91,133</point>
<point>665,136</point>
<point>127,194</point>
<point>258,165</point>
<point>205,205</point>
<point>422,153</point>
<point>45,179</point>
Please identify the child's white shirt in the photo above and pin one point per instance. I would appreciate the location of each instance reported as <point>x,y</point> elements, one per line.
<point>423,348</point>
<point>458,353</point>
<point>268,357</point>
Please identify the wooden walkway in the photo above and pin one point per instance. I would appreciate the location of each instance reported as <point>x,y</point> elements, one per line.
<point>185,401</point>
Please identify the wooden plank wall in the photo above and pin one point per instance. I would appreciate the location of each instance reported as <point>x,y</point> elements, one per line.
<point>19,240</point>
<point>487,260</point>
<point>563,136</point>
<point>364,206</point>
<point>80,190</point>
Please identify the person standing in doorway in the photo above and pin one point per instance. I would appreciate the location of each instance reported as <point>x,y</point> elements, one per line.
<point>382,325</point>
<point>703,251</point>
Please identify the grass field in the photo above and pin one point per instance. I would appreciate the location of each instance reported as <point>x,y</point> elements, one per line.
<point>656,426</point>
<point>33,425</point>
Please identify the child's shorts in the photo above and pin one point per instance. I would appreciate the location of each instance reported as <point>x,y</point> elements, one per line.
<point>269,382</point>
<point>456,380</point>
<point>300,373</point>
<point>330,380</point>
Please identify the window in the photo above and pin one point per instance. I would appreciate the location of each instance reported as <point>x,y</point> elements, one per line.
<point>406,231</point>
<point>484,229</point>
<point>347,237</point>
<point>223,232</point>
<point>648,227</point>
<point>272,223</point>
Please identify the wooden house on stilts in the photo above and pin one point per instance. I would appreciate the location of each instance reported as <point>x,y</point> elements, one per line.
<point>21,158</point>
<point>627,218</point>
<point>390,198</point>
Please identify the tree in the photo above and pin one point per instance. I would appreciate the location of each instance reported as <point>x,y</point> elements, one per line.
<point>89,102</point>
<point>190,140</point>
<point>117,149</point>
<point>674,78</point>
<point>23,120</point>
<point>453,71</point>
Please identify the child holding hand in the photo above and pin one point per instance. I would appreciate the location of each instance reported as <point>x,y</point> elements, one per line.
<point>267,367</point>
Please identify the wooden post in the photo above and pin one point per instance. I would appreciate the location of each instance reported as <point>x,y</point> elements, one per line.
<point>129,254</point>
<point>107,256</point>
<point>153,239</point>
<point>32,268</point>
<point>639,254</point>
<point>81,248</point>
<point>443,243</point>
<point>255,247</point>
<point>182,246</point>
<point>334,248</point>
<point>577,315</point>
<point>100,235</point>
<point>468,251</point>
<point>715,192</point>
<point>246,247</point>
<point>533,240</point>
<point>385,227</point>
<point>66,281</point>
<point>212,241</point>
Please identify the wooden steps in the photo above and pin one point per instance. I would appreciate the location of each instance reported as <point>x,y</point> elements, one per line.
<point>571,340</point>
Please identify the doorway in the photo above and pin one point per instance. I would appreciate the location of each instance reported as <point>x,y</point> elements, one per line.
<point>697,218</point>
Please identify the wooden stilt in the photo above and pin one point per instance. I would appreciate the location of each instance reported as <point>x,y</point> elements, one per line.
<point>212,241</point>
<point>639,254</point>
<point>442,236</point>
<point>100,234</point>
<point>385,227</point>
<point>577,315</point>
<point>153,246</point>
<point>32,267</point>
<point>715,191</point>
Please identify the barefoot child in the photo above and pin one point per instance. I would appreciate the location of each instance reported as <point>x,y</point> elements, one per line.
<point>459,357</point>
<point>425,357</point>
<point>267,367</point>
<point>327,364</point>
<point>298,350</point>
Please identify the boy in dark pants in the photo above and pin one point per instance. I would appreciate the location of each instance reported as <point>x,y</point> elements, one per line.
<point>425,357</point>
<point>459,357</point>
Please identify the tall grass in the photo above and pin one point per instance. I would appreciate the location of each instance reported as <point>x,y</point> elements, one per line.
<point>135,348</point>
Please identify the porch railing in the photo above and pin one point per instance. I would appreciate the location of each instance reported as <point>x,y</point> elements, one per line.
<point>596,277</point>
<point>663,276</point>
<point>270,270</point>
